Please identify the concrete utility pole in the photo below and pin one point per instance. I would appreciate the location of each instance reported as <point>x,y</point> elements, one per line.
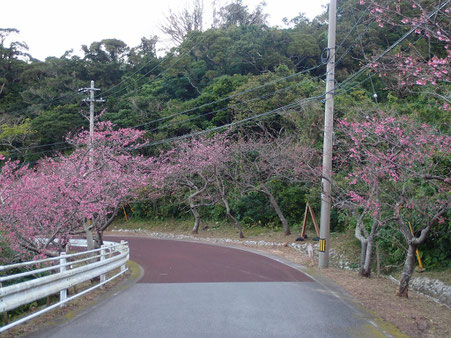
<point>328,139</point>
<point>91,101</point>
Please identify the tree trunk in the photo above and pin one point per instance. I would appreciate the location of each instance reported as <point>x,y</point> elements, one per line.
<point>362,254</point>
<point>99,239</point>
<point>276,207</point>
<point>409,266</point>
<point>89,236</point>
<point>233,219</point>
<point>365,269</point>
<point>196,220</point>
<point>367,240</point>
<point>221,190</point>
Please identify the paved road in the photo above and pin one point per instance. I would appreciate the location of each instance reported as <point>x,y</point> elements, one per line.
<point>198,290</point>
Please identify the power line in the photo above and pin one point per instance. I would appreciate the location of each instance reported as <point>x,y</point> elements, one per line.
<point>71,96</point>
<point>365,12</point>
<point>43,151</point>
<point>339,87</point>
<point>319,97</point>
<point>228,107</point>
<point>74,95</point>
<point>220,100</point>
<point>255,88</point>
<point>341,90</point>
<point>228,125</point>
<point>136,72</point>
<point>258,87</point>
<point>234,95</point>
<point>364,56</point>
<point>256,116</point>
<point>196,45</point>
<point>229,97</point>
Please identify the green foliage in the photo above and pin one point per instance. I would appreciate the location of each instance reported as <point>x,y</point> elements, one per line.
<point>166,207</point>
<point>435,251</point>
<point>426,106</point>
<point>15,138</point>
<point>252,210</point>
<point>54,124</point>
<point>6,254</point>
<point>292,200</point>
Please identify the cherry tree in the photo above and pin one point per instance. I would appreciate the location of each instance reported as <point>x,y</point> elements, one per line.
<point>105,174</point>
<point>35,212</point>
<point>223,174</point>
<point>262,161</point>
<point>396,173</point>
<point>417,65</point>
<point>42,207</point>
<point>193,171</point>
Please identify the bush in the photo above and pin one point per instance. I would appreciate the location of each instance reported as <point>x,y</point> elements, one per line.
<point>253,208</point>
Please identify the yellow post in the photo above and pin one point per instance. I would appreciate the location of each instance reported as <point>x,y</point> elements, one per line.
<point>418,252</point>
<point>125,213</point>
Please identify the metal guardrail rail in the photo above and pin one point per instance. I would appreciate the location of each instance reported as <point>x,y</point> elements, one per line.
<point>55,275</point>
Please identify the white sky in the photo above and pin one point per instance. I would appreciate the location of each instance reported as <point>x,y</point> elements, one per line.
<point>51,27</point>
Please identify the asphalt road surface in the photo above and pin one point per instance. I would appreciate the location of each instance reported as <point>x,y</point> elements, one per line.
<point>199,290</point>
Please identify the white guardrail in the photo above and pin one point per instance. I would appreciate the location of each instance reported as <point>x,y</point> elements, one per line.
<point>61,273</point>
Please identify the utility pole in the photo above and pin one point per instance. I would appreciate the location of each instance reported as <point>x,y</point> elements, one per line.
<point>328,139</point>
<point>91,101</point>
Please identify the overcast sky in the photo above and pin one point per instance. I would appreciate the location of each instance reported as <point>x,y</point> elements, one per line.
<point>51,27</point>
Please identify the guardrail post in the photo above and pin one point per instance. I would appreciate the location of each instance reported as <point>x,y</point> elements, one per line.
<point>102,258</point>
<point>63,293</point>
<point>110,250</point>
<point>5,314</point>
<point>122,248</point>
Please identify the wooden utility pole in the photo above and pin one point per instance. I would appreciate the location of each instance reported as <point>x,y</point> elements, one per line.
<point>328,139</point>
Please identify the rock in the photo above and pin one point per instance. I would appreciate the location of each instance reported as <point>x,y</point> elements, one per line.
<point>433,288</point>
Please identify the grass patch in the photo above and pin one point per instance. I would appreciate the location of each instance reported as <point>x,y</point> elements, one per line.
<point>213,229</point>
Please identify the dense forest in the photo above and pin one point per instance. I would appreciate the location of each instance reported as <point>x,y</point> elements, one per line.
<point>265,87</point>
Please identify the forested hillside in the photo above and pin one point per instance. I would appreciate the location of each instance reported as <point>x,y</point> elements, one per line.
<point>232,118</point>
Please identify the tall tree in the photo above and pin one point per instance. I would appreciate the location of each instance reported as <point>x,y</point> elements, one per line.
<point>179,24</point>
<point>395,174</point>
<point>12,63</point>
<point>237,14</point>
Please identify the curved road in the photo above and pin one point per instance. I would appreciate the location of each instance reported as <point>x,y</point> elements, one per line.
<point>199,290</point>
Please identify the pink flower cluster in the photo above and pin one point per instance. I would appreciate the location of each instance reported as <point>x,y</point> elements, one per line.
<point>42,207</point>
